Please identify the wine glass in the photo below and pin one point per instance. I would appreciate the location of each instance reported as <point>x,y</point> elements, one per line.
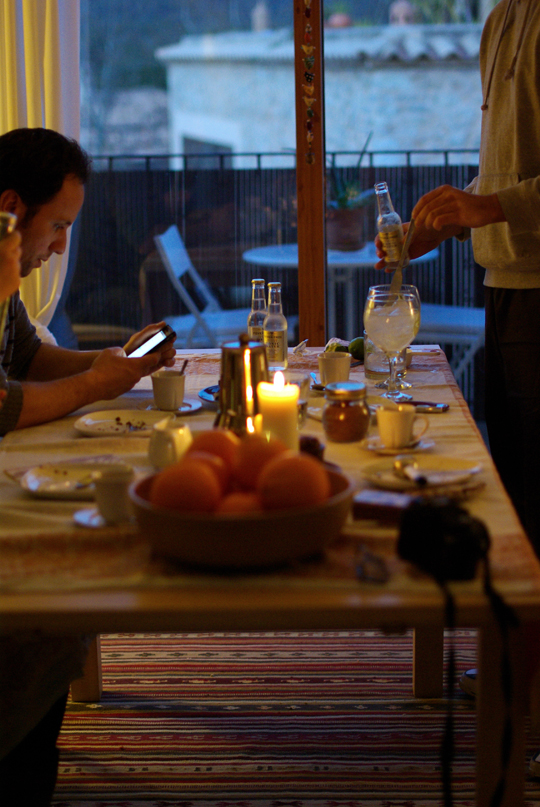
<point>401,383</point>
<point>392,320</point>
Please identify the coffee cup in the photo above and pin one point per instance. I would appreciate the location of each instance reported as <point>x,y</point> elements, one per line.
<point>168,387</point>
<point>334,366</point>
<point>111,493</point>
<point>396,425</point>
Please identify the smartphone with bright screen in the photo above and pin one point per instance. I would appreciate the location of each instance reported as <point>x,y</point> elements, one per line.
<point>153,342</point>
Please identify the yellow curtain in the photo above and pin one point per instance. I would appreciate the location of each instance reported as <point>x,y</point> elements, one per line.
<point>39,86</point>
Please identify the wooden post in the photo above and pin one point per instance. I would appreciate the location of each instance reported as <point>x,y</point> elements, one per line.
<point>310,169</point>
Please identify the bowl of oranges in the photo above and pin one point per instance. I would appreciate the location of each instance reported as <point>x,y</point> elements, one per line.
<point>241,503</point>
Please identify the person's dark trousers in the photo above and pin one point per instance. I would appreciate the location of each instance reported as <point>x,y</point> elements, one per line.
<point>513,398</point>
<point>28,772</point>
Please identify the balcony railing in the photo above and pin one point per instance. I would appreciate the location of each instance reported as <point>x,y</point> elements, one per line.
<point>223,209</point>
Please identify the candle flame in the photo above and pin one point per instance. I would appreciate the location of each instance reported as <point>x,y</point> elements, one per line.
<point>279,380</point>
<point>250,426</point>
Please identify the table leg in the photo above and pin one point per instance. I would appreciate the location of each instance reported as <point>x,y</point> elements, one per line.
<point>491,713</point>
<point>89,688</point>
<point>428,664</point>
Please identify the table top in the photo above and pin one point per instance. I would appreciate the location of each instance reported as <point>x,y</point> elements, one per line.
<point>54,574</point>
<point>286,256</point>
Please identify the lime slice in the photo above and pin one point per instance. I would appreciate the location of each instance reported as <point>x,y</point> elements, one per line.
<point>356,348</point>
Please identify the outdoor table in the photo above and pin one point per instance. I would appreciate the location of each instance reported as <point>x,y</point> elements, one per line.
<point>341,266</point>
<point>59,578</point>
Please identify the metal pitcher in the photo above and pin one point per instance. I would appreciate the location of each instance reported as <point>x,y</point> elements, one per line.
<point>243,365</point>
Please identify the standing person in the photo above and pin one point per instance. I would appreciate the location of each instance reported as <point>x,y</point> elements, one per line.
<point>500,210</point>
<point>42,179</point>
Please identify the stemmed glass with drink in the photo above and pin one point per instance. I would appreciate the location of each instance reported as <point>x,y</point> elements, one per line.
<point>392,320</point>
<point>401,368</point>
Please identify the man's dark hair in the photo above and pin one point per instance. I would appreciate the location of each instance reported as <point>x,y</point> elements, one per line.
<point>35,163</point>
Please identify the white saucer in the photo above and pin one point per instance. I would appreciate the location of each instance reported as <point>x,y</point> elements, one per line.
<point>89,517</point>
<point>189,407</point>
<point>374,444</point>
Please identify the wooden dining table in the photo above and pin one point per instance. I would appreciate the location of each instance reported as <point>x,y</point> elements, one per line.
<point>61,578</point>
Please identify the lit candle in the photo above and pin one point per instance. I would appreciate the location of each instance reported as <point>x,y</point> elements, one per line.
<point>278,405</point>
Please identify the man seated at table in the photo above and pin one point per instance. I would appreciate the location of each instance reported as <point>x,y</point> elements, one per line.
<point>42,176</point>
<point>42,179</point>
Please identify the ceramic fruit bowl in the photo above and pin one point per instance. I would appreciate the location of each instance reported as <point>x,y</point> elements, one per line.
<point>242,541</point>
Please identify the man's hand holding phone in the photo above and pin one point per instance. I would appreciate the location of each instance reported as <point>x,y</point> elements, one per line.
<point>157,338</point>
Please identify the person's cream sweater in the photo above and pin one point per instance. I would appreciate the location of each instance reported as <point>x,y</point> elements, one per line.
<point>510,145</point>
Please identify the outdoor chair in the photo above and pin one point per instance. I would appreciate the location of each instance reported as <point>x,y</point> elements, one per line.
<point>207,324</point>
<point>455,325</point>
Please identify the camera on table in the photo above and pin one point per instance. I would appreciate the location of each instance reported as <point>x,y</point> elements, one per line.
<point>442,539</point>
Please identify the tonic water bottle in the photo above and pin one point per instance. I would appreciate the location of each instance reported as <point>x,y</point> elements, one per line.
<point>275,330</point>
<point>389,225</point>
<point>258,312</point>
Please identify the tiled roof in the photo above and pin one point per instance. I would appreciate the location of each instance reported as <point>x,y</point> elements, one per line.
<point>374,44</point>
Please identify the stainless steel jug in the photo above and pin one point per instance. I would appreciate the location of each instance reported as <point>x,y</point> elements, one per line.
<point>243,365</point>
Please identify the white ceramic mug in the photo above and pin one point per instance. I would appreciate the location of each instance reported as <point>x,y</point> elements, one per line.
<point>334,366</point>
<point>168,387</point>
<point>396,425</point>
<point>111,493</point>
<point>169,441</point>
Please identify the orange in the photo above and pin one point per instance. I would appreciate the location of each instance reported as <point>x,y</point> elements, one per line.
<point>189,486</point>
<point>293,480</point>
<point>253,453</point>
<point>222,442</point>
<point>241,501</point>
<point>217,464</point>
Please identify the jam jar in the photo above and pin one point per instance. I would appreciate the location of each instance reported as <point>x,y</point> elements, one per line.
<point>345,415</point>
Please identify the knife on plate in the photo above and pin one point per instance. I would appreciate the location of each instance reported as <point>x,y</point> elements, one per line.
<point>429,407</point>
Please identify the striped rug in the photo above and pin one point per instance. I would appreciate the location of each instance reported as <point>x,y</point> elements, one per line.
<point>264,720</point>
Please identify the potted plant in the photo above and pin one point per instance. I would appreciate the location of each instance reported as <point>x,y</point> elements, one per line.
<point>346,210</point>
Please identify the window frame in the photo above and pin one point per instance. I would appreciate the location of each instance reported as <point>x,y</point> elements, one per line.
<point>310,171</point>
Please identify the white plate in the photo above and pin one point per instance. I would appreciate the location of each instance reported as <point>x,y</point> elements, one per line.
<point>89,518</point>
<point>439,471</point>
<point>120,422</point>
<point>189,407</point>
<point>374,444</point>
<point>65,480</point>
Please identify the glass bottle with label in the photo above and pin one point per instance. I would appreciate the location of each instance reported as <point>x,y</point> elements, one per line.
<point>258,311</point>
<point>275,330</point>
<point>389,225</point>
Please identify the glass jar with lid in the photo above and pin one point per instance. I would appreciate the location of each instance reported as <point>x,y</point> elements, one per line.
<point>345,415</point>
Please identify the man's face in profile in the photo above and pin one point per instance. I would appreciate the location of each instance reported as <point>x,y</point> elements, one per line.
<point>45,233</point>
